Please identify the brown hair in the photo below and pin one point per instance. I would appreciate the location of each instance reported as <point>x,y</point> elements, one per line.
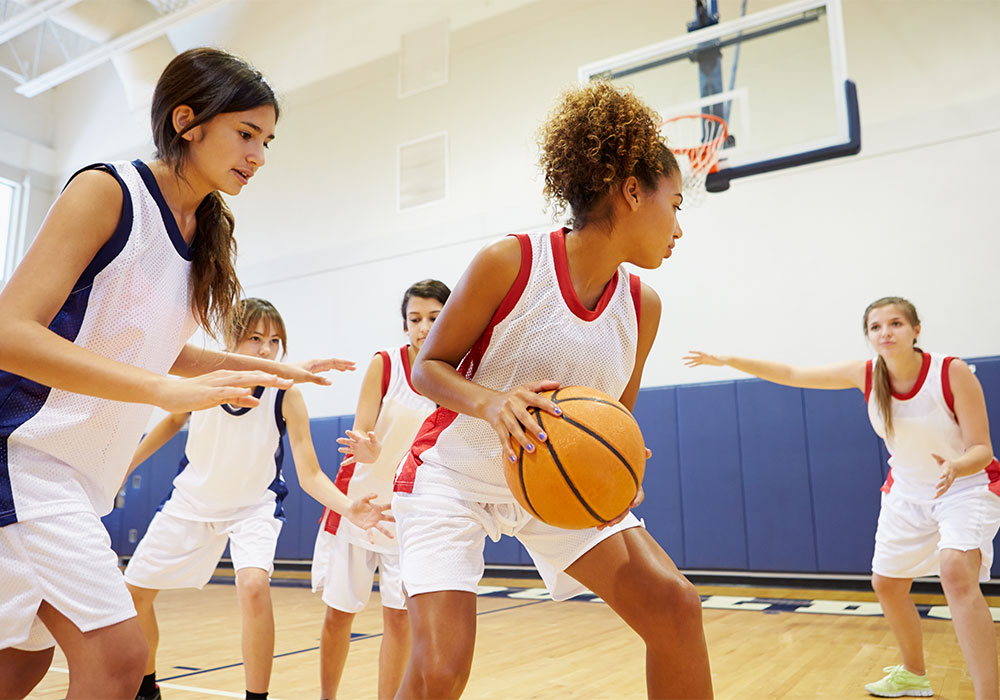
<point>880,373</point>
<point>425,289</point>
<point>596,136</point>
<point>210,82</point>
<point>246,314</point>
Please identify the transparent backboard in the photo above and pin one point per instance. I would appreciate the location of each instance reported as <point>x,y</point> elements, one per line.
<point>778,77</point>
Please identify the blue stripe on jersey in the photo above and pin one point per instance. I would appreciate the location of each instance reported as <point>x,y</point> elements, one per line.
<point>258,391</point>
<point>21,398</point>
<point>180,245</point>
<point>278,485</point>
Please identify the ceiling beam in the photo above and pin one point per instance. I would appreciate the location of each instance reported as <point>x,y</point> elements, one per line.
<point>32,17</point>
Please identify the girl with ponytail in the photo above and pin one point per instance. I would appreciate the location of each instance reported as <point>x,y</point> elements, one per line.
<point>131,258</point>
<point>941,501</point>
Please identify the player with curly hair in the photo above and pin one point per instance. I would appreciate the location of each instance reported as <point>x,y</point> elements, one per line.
<point>531,313</point>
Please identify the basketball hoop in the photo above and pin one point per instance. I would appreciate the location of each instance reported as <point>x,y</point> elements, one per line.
<point>695,140</point>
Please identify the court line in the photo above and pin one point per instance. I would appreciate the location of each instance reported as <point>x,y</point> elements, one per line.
<point>190,688</point>
<point>353,639</point>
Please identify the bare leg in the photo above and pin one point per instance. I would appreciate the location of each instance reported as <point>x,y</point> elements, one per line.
<point>20,670</point>
<point>394,651</point>
<point>903,618</point>
<point>334,643</point>
<point>254,590</point>
<point>970,614</point>
<point>637,579</point>
<point>143,598</point>
<point>104,663</point>
<point>444,640</point>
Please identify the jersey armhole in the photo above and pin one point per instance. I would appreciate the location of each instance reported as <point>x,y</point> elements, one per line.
<point>635,288</point>
<point>949,398</point>
<point>868,380</point>
<point>520,282</point>
<point>279,412</point>
<point>114,245</point>
<point>386,371</point>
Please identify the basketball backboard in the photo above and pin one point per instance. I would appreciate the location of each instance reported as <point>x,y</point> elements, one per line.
<point>778,77</point>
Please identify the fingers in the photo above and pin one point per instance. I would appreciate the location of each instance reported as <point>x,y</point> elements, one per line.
<point>236,396</point>
<point>247,378</point>
<point>940,460</point>
<point>649,453</point>
<point>529,393</point>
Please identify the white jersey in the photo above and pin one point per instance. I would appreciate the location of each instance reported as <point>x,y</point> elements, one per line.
<point>540,331</point>
<point>923,422</point>
<point>62,452</point>
<point>232,463</point>
<point>399,418</point>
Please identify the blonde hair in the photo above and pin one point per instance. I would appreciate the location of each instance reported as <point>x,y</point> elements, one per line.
<point>247,313</point>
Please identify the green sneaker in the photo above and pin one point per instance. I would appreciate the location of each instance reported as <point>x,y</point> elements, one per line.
<point>900,682</point>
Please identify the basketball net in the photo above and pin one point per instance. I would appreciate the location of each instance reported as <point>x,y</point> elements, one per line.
<point>695,140</point>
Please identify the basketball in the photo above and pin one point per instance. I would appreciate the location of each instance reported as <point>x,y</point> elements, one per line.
<point>589,469</point>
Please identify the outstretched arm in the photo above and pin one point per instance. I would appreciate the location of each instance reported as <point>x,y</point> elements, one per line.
<point>844,375</point>
<point>363,512</point>
<point>195,361</point>
<point>81,221</point>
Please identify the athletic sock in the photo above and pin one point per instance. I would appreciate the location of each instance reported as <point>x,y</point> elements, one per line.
<point>148,686</point>
<point>256,696</point>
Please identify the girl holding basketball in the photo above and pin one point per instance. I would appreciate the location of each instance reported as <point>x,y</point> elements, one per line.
<point>941,501</point>
<point>229,489</point>
<point>533,312</point>
<point>130,259</point>
<point>389,413</point>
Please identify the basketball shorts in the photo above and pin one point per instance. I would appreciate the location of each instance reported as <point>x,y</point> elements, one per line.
<point>180,553</point>
<point>345,572</point>
<point>67,561</point>
<point>441,543</point>
<point>911,534</point>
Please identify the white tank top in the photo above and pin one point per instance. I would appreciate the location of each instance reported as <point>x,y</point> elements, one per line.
<point>232,462</point>
<point>62,452</point>
<point>923,422</point>
<point>399,417</point>
<point>540,331</point>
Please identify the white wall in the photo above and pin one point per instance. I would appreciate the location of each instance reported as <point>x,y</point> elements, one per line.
<point>781,265</point>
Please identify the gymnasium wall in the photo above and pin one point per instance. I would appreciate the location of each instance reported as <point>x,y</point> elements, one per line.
<point>745,476</point>
<point>781,265</point>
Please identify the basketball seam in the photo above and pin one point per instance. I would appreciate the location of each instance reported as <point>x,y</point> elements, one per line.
<point>607,444</point>
<point>565,475</point>
<point>588,398</point>
<point>520,475</point>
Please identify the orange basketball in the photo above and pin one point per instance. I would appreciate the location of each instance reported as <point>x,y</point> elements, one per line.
<point>589,469</point>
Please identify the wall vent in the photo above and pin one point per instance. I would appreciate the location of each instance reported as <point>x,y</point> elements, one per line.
<point>423,171</point>
<point>423,59</point>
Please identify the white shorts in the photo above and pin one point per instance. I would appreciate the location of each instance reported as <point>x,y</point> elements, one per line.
<point>911,534</point>
<point>441,543</point>
<point>180,553</point>
<point>67,561</point>
<point>345,572</point>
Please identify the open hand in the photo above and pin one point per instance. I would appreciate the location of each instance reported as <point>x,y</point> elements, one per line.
<point>694,358</point>
<point>359,447</point>
<point>947,475</point>
<point>214,388</point>
<point>370,516</point>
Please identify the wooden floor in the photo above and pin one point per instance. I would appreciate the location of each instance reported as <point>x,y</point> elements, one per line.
<point>532,648</point>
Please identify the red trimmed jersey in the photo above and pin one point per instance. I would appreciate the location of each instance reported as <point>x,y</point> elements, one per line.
<point>540,331</point>
<point>924,422</point>
<point>402,411</point>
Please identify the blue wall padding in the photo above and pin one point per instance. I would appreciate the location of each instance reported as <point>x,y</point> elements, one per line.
<point>745,475</point>
<point>663,509</point>
<point>776,484</point>
<point>708,441</point>
<point>845,466</point>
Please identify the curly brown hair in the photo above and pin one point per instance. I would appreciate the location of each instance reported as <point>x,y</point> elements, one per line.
<point>596,136</point>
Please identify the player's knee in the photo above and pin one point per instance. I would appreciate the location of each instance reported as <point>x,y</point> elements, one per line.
<point>19,676</point>
<point>396,620</point>
<point>958,579</point>
<point>885,587</point>
<point>337,620</point>
<point>441,673</point>
<point>669,605</point>
<point>255,593</point>
<point>122,671</point>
